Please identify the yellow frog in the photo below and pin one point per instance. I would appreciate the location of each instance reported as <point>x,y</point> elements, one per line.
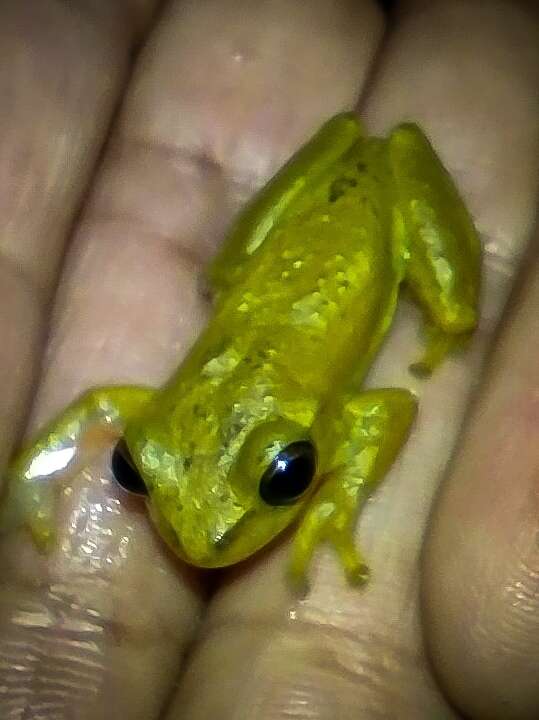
<point>265,421</point>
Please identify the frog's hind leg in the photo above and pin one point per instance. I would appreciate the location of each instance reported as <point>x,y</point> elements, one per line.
<point>368,430</point>
<point>436,235</point>
<point>64,446</point>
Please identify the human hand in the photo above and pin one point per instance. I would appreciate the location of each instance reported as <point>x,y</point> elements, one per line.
<point>221,93</point>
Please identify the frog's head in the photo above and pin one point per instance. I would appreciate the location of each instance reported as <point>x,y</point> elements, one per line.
<point>229,495</point>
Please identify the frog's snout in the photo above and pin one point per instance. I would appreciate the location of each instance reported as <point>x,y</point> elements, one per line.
<point>222,541</point>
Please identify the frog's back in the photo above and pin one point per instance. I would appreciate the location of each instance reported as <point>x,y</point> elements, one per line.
<point>320,292</point>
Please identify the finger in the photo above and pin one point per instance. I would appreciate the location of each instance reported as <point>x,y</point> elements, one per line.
<point>57,101</point>
<point>63,69</point>
<point>196,133</point>
<point>482,556</point>
<point>342,652</point>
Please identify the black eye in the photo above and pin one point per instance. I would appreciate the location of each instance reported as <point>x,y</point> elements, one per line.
<point>125,472</point>
<point>289,475</point>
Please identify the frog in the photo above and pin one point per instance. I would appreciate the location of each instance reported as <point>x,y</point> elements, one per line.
<point>267,423</point>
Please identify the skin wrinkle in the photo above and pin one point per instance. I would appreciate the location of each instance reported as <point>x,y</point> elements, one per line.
<point>494,257</point>
<point>54,624</point>
<point>185,255</point>
<point>519,593</point>
<point>185,245</point>
<point>200,158</point>
<point>317,664</point>
<point>258,125</point>
<point>196,242</point>
<point>502,627</point>
<point>365,649</point>
<point>39,671</point>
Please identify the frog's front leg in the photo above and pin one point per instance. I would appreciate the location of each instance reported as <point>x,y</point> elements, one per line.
<point>368,430</point>
<point>62,448</point>
<point>435,234</point>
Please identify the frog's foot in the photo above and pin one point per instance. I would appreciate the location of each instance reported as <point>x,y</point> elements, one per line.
<point>368,428</point>
<point>329,520</point>
<point>355,568</point>
<point>31,505</point>
<point>36,476</point>
<point>439,344</point>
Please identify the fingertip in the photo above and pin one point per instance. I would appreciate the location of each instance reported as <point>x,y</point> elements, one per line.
<point>481,559</point>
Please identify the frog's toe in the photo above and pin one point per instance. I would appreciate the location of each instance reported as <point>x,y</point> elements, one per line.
<point>31,506</point>
<point>357,573</point>
<point>298,565</point>
<point>298,578</point>
<point>355,568</point>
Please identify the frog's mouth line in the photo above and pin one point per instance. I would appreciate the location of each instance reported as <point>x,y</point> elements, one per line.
<point>227,537</point>
<point>166,531</point>
<point>216,555</point>
<point>173,539</point>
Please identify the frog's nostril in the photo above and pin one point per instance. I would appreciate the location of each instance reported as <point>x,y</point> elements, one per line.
<point>125,472</point>
<point>222,541</point>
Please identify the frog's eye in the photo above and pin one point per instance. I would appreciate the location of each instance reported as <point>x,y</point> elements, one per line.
<point>289,475</point>
<point>125,472</point>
